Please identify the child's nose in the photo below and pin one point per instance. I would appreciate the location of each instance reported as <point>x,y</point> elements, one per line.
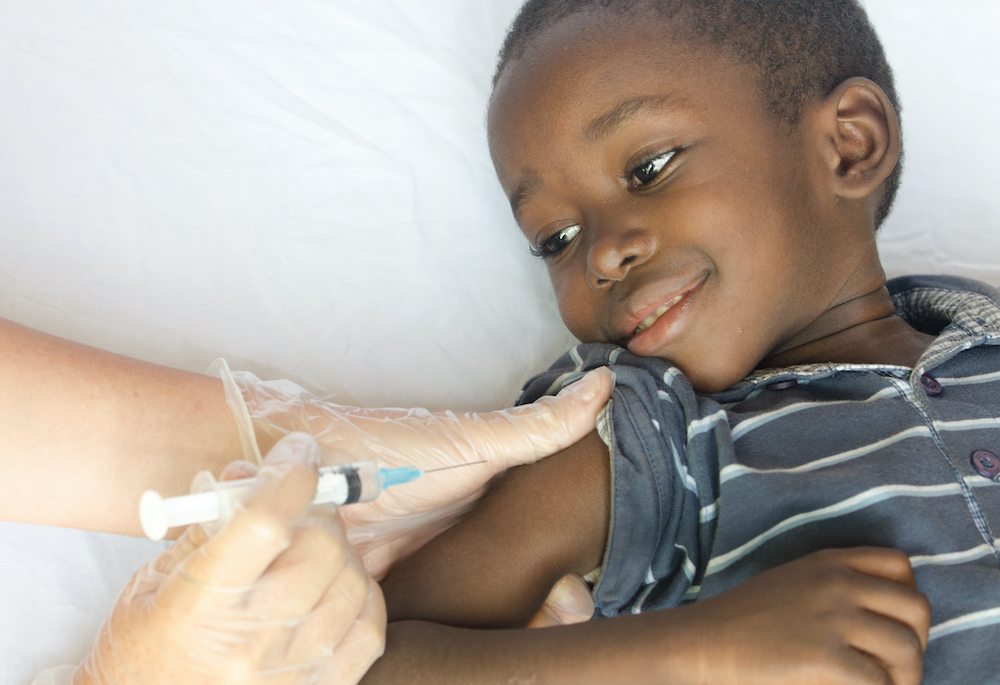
<point>614,254</point>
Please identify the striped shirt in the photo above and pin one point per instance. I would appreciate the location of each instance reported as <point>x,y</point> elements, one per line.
<point>709,490</point>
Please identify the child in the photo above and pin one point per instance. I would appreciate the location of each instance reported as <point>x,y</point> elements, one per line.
<point>704,181</point>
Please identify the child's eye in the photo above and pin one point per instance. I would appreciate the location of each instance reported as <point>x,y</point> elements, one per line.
<point>556,242</point>
<point>646,172</point>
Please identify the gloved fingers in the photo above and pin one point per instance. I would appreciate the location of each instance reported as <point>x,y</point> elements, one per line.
<point>569,602</point>
<point>433,495</point>
<point>395,437</point>
<point>186,545</point>
<point>194,536</point>
<point>297,581</point>
<point>318,633</point>
<point>385,534</point>
<point>380,553</point>
<point>362,645</point>
<point>503,438</point>
<point>417,437</point>
<point>261,527</point>
<point>521,435</point>
<point>238,470</point>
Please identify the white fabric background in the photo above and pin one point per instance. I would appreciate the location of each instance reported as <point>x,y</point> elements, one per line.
<point>304,188</point>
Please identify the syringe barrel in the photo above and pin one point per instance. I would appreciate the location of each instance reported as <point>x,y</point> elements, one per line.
<point>212,503</point>
<point>348,483</point>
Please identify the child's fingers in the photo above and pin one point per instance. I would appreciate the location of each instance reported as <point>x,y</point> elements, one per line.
<point>886,586</point>
<point>899,603</point>
<point>881,562</point>
<point>890,645</point>
<point>568,602</point>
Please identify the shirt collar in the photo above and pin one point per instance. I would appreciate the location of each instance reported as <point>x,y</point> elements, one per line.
<point>962,314</point>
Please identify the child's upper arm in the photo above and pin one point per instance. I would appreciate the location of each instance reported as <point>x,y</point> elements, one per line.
<point>496,566</point>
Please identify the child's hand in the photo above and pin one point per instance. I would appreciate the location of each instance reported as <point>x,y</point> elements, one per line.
<point>837,616</point>
<point>568,602</point>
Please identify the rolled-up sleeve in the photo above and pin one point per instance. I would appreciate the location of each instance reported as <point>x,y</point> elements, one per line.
<point>656,534</point>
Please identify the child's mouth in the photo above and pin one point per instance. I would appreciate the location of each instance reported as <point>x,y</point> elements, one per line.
<point>651,319</point>
<point>665,323</point>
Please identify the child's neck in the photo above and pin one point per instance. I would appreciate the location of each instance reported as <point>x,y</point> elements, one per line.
<point>864,330</point>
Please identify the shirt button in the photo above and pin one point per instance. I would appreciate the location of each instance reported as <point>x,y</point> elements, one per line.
<point>782,385</point>
<point>986,464</point>
<point>931,386</point>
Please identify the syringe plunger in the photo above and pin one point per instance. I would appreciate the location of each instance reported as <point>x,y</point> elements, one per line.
<point>211,501</point>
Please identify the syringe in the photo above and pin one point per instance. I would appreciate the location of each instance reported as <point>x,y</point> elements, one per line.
<point>213,501</point>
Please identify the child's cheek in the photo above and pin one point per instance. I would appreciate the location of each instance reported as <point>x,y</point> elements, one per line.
<point>576,306</point>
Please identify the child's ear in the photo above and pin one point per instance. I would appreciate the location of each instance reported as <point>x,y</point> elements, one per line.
<point>862,137</point>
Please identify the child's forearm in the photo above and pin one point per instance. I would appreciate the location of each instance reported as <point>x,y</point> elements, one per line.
<point>495,567</point>
<point>630,650</point>
<point>837,617</point>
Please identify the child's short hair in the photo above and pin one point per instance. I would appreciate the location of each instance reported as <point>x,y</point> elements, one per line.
<point>801,49</point>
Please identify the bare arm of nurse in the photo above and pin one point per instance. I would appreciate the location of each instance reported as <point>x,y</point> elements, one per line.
<point>80,425</point>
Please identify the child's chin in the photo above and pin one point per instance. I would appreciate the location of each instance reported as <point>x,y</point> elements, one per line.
<point>712,379</point>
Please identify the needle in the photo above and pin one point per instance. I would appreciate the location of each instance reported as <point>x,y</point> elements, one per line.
<point>455,466</point>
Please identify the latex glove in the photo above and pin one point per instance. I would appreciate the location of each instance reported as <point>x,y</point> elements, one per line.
<point>277,597</point>
<point>405,517</point>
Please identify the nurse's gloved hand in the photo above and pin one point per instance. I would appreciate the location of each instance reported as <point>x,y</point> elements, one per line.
<point>405,517</point>
<point>278,597</point>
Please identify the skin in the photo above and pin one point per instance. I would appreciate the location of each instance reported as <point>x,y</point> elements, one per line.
<point>838,616</point>
<point>130,426</point>
<point>778,248</point>
<point>80,426</point>
<point>646,169</point>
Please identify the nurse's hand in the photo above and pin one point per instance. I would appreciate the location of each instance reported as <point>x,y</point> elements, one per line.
<point>481,445</point>
<point>279,596</point>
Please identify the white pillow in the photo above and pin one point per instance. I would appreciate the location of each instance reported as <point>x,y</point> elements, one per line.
<point>305,189</point>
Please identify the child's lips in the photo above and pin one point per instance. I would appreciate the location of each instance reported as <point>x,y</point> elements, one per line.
<point>657,325</point>
<point>660,311</point>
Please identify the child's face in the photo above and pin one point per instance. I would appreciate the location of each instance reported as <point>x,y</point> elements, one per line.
<point>652,177</point>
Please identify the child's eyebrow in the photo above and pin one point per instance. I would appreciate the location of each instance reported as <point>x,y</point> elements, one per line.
<point>599,128</point>
<point>524,190</point>
<point>606,124</point>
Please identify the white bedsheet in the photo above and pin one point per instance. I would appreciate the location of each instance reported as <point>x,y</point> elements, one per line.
<point>304,188</point>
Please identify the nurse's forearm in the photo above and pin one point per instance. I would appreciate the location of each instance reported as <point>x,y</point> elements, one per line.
<point>84,432</point>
